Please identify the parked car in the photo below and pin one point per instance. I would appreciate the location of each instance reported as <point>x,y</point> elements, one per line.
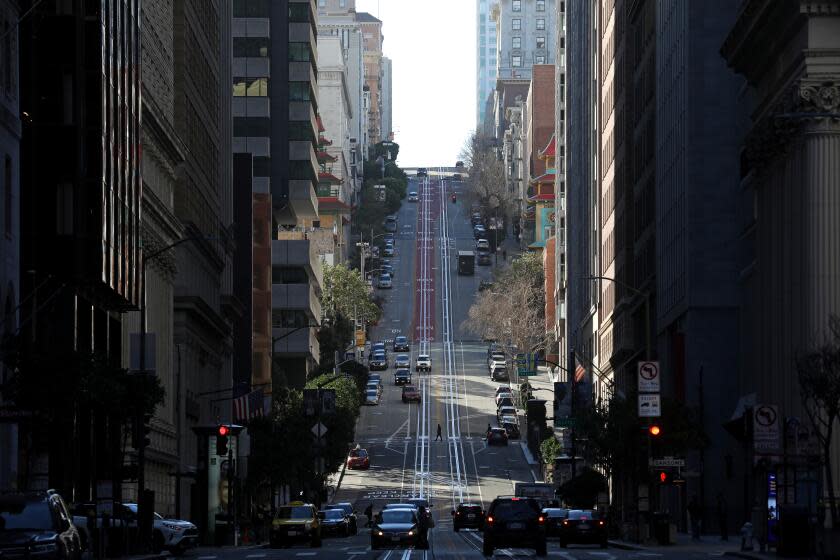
<point>506,394</point>
<point>423,363</point>
<point>384,282</point>
<point>483,256</point>
<point>358,458</point>
<point>389,270</point>
<point>495,358</point>
<point>36,526</point>
<point>375,385</point>
<point>498,372</point>
<point>394,527</point>
<point>349,511</point>
<point>402,376</point>
<point>504,401</point>
<point>401,344</point>
<point>334,522</point>
<point>374,377</point>
<point>173,535</point>
<point>514,522</point>
<point>378,347</point>
<point>389,237</point>
<point>554,520</point>
<point>467,516</point>
<point>410,393</point>
<point>482,244</point>
<point>378,362</point>
<point>583,526</point>
<point>497,436</point>
<point>412,196</point>
<point>511,426</point>
<point>505,411</point>
<point>293,522</point>
<point>371,397</point>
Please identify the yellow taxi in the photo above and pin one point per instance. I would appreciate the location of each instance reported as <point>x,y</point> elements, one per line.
<point>295,521</point>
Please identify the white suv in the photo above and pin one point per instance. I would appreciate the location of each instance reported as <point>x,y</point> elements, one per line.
<point>423,363</point>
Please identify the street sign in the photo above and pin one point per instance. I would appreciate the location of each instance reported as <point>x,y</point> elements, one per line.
<point>648,377</point>
<point>526,364</point>
<point>650,406</point>
<point>667,462</point>
<point>318,430</point>
<point>766,428</point>
<point>565,422</point>
<point>327,402</point>
<point>360,337</point>
<point>310,402</point>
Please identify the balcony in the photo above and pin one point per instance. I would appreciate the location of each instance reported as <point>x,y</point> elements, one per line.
<point>302,343</point>
<point>297,297</point>
<point>293,248</point>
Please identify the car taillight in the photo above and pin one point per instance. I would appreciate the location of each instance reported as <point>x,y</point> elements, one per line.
<point>565,522</point>
<point>600,523</point>
<point>542,519</point>
<point>490,519</point>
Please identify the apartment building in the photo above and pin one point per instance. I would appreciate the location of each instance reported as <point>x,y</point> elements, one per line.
<point>485,58</point>
<point>372,40</point>
<point>559,276</point>
<point>275,137</point>
<point>525,35</point>
<point>387,132</point>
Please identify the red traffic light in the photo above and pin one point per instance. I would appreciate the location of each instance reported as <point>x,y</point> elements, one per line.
<point>654,430</point>
<point>223,430</point>
<point>663,477</point>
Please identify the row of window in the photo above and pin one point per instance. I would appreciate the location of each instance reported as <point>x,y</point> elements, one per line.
<point>516,60</point>
<point>516,5</point>
<point>516,42</point>
<point>323,3</point>
<point>298,12</point>
<point>516,24</point>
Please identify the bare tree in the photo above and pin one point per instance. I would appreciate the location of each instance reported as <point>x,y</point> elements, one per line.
<point>514,311</point>
<point>486,181</point>
<point>819,387</point>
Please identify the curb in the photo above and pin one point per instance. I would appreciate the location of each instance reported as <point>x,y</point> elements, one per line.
<point>625,546</point>
<point>742,554</point>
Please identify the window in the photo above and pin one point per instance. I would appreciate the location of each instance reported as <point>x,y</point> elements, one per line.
<point>539,59</point>
<point>342,3</point>
<point>516,61</point>
<point>252,8</point>
<point>540,24</point>
<point>540,5</point>
<point>516,6</point>
<point>298,12</point>
<point>250,47</point>
<point>516,24</point>
<point>300,91</point>
<point>288,275</point>
<point>517,43</point>
<point>262,166</point>
<point>251,126</point>
<point>7,195</point>
<point>322,3</point>
<point>300,52</point>
<point>250,87</point>
<point>540,42</point>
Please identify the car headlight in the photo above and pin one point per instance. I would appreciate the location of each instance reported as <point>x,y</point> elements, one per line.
<point>173,527</point>
<point>411,533</point>
<point>380,533</point>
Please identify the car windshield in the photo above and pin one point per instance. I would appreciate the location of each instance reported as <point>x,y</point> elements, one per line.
<point>422,357</point>
<point>22,514</point>
<point>294,512</point>
<point>397,516</point>
<point>371,393</point>
<point>401,339</point>
<point>409,388</point>
<point>581,514</point>
<point>333,514</point>
<point>516,510</point>
<point>385,278</point>
<point>379,356</point>
<point>498,431</point>
<point>556,512</point>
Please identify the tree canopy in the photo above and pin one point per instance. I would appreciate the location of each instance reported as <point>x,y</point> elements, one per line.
<point>345,294</point>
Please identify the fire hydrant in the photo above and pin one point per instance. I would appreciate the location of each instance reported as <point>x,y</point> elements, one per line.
<point>747,536</point>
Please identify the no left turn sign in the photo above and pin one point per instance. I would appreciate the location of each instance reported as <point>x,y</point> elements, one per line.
<point>649,377</point>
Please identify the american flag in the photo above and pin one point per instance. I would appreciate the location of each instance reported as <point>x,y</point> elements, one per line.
<point>248,407</point>
<point>580,371</point>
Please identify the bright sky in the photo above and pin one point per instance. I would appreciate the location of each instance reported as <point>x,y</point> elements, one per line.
<point>432,46</point>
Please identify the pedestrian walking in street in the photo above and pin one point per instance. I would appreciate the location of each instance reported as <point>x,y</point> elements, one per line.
<point>487,433</point>
<point>369,514</point>
<point>722,508</point>
<point>423,527</point>
<point>695,512</point>
<point>438,437</point>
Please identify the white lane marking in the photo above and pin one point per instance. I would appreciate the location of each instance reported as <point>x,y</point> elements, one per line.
<point>306,554</point>
<point>205,557</point>
<point>255,556</point>
<point>406,555</point>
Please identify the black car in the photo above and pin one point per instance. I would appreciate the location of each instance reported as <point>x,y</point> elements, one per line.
<point>334,522</point>
<point>395,527</point>
<point>37,526</point>
<point>401,344</point>
<point>511,427</point>
<point>554,518</point>
<point>348,510</point>
<point>514,522</point>
<point>497,436</point>
<point>583,526</point>
<point>402,377</point>
<point>422,172</point>
<point>468,516</point>
<point>378,362</point>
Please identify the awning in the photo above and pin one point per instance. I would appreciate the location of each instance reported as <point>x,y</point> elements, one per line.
<point>536,245</point>
<point>551,149</point>
<point>328,178</point>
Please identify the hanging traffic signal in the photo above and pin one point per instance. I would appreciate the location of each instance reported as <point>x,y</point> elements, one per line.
<point>654,430</point>
<point>222,440</point>
<point>141,431</point>
<point>664,477</point>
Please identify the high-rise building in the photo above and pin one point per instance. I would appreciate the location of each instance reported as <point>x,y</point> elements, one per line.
<point>560,183</point>
<point>788,274</point>
<point>275,135</point>
<point>10,131</point>
<point>485,58</point>
<point>80,222</point>
<point>387,99</point>
<point>372,40</point>
<point>525,35</point>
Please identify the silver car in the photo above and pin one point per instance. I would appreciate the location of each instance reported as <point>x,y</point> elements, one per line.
<point>371,397</point>
<point>402,361</point>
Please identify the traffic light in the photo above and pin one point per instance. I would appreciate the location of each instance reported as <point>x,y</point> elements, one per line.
<point>141,430</point>
<point>654,430</point>
<point>664,477</point>
<point>222,440</point>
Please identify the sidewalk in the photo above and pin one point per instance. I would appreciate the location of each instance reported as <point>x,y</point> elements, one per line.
<point>708,544</point>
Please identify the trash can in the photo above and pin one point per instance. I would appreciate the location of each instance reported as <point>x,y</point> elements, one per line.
<point>794,531</point>
<point>661,527</point>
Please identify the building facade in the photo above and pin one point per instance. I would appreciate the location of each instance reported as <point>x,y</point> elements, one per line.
<point>525,35</point>
<point>485,58</point>
<point>372,41</point>
<point>387,132</point>
<point>10,132</point>
<point>559,276</point>
<point>787,272</point>
<point>275,134</point>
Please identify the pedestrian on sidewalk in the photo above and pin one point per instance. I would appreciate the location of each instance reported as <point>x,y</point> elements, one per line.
<point>504,255</point>
<point>695,512</point>
<point>369,514</point>
<point>438,437</point>
<point>722,508</point>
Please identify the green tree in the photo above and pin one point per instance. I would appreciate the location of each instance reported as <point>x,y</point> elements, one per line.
<point>341,425</point>
<point>345,294</point>
<point>550,448</point>
<point>389,149</point>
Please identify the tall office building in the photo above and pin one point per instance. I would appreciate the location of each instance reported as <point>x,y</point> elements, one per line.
<point>485,58</point>
<point>525,35</point>
<point>560,183</point>
<point>387,99</point>
<point>275,134</point>
<point>372,40</point>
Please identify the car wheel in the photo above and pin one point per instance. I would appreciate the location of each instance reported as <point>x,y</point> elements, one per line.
<point>487,548</point>
<point>542,549</point>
